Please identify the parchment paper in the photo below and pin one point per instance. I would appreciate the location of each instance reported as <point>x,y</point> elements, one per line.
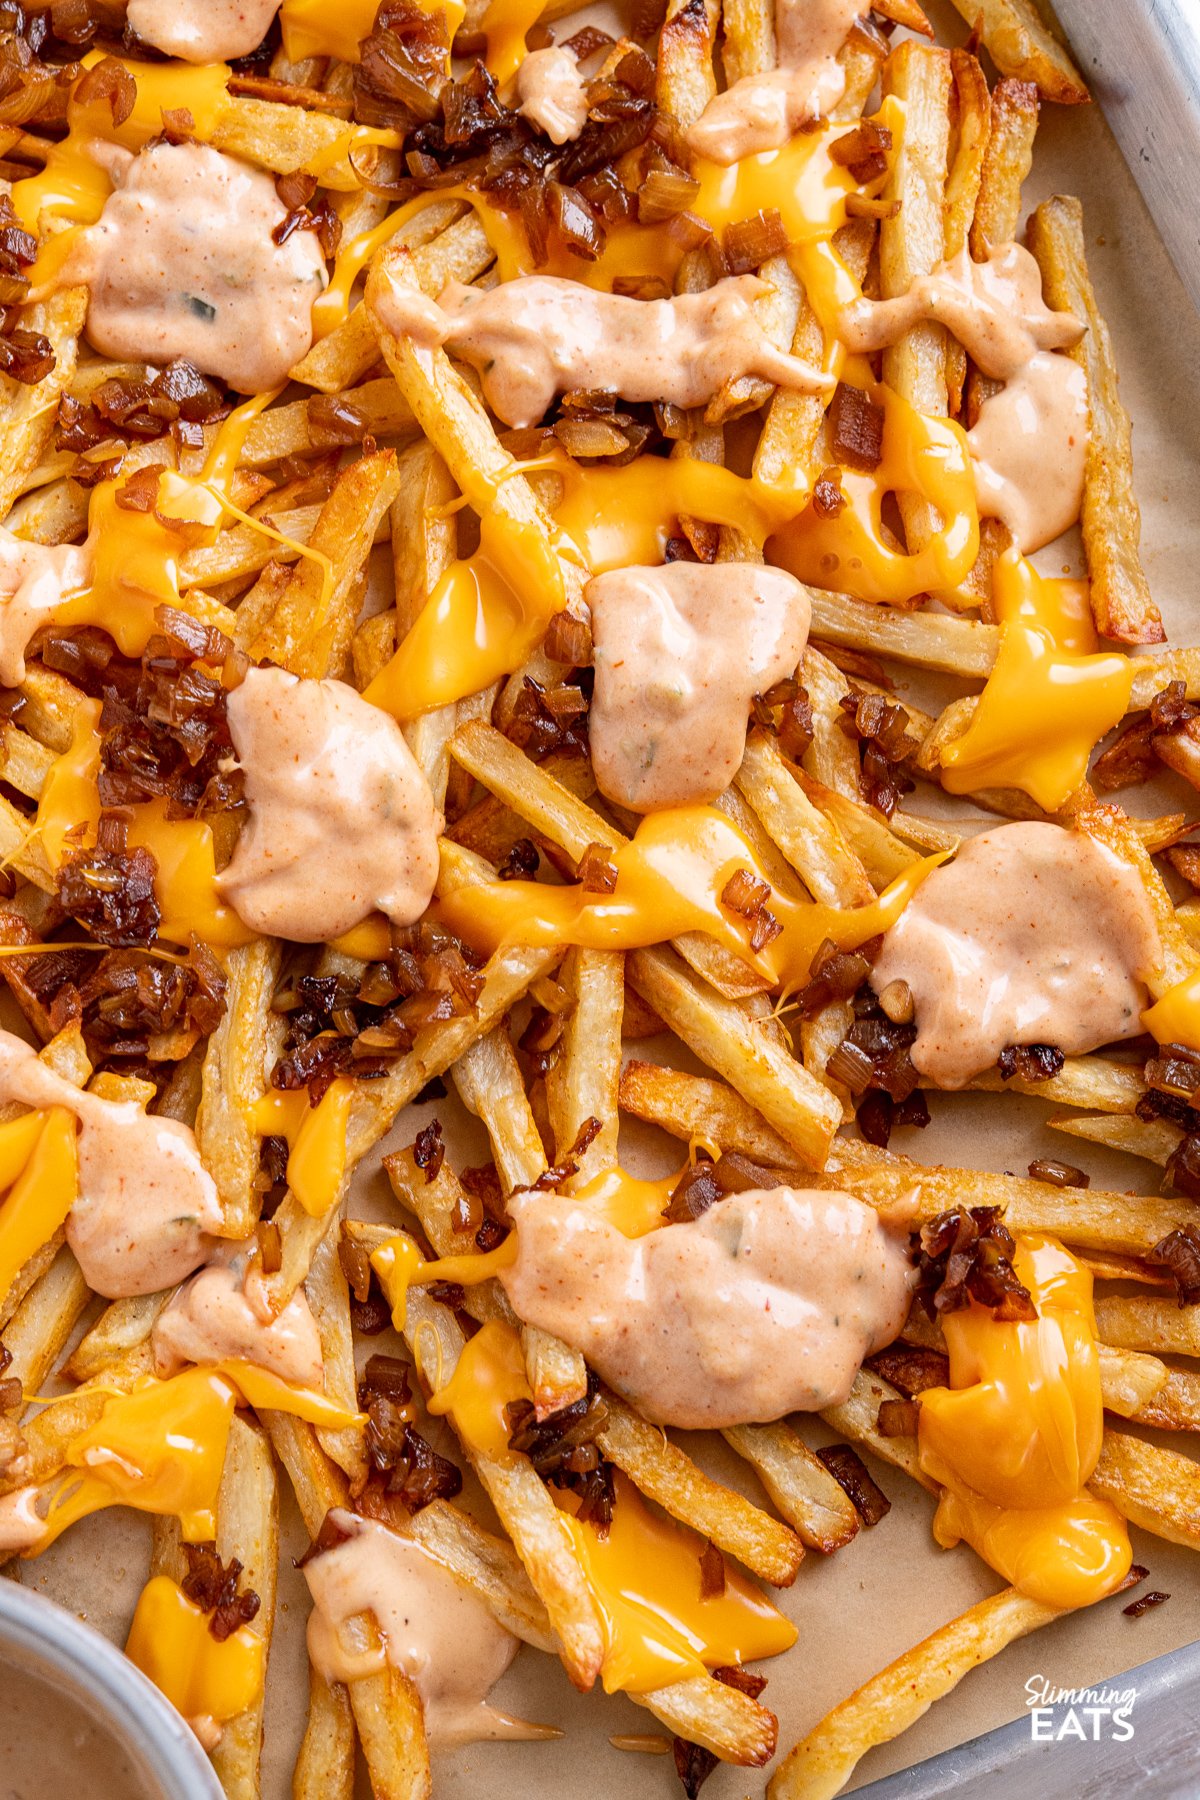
<point>892,1585</point>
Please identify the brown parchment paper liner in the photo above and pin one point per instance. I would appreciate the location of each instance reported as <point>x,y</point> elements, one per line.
<point>892,1585</point>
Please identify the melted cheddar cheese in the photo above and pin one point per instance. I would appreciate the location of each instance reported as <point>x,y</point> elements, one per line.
<point>1014,1439</point>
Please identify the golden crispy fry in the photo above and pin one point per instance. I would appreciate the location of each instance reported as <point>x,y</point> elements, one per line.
<point>1139,1322</point>
<point>329,1298</point>
<point>1086,1217</point>
<point>897,1697</point>
<point>1021,45</point>
<point>800,1486</point>
<point>692,1106</point>
<point>831,757</point>
<point>1155,1488</point>
<point>489,1082</point>
<point>445,246</point>
<point>1154,1139</point>
<point>728,1036</point>
<point>583,1084</point>
<point>1120,595</point>
<point>38,1330</point>
<point>972,104</point>
<point>556,812</point>
<point>523,1505</point>
<point>788,445</point>
<point>857,1418</point>
<point>1007,161</point>
<point>913,241</point>
<point>283,138</point>
<point>248,1529</point>
<point>309,631</point>
<point>748,43</point>
<point>1130,1382</point>
<point>810,840</point>
<point>390,1721</point>
<point>325,1763</point>
<point>686,82</point>
<point>1082,1081</point>
<point>237,1062</point>
<point>123,1326</point>
<point>932,640</point>
<point>27,414</point>
<point>487,1564</point>
<point>722,1719</point>
<point>665,1474</point>
<point>1109,826</point>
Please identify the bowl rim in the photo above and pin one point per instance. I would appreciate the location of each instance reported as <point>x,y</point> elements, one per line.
<point>61,1649</point>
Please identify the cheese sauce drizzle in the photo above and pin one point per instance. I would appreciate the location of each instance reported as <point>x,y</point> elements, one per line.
<point>1016,1436</point>
<point>671,879</point>
<point>1032,935</point>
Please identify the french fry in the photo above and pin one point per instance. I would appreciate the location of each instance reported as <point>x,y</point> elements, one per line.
<point>27,414</point>
<point>665,1474</point>
<point>351,348</point>
<point>1007,160</point>
<point>584,1082</point>
<point>523,1506</point>
<point>800,1486</point>
<point>248,1529</point>
<point>748,44</point>
<point>1083,1216</point>
<point>123,1326</point>
<point>568,822</point>
<point>1111,520</point>
<point>972,106</point>
<point>487,1564</point>
<point>1141,1322</point>
<point>391,1727</point>
<point>829,868</point>
<point>1153,1139</point>
<point>310,630</point>
<point>831,758</point>
<point>236,1068</point>
<point>686,82</point>
<point>902,1693</point>
<point>489,1083</point>
<point>857,1418</point>
<point>912,241</point>
<point>284,138</point>
<point>729,1037</point>
<point>1150,1486</point>
<point>329,1299</point>
<point>325,1762</point>
<point>1021,46</point>
<point>1082,1081</point>
<point>38,1330</point>
<point>714,1114</point>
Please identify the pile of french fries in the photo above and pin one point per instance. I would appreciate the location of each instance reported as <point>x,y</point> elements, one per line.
<point>383,516</point>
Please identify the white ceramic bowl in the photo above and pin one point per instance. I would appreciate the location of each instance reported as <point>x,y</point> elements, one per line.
<point>56,1652</point>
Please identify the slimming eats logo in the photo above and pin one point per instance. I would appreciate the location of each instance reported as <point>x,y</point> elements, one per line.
<point>1091,1715</point>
